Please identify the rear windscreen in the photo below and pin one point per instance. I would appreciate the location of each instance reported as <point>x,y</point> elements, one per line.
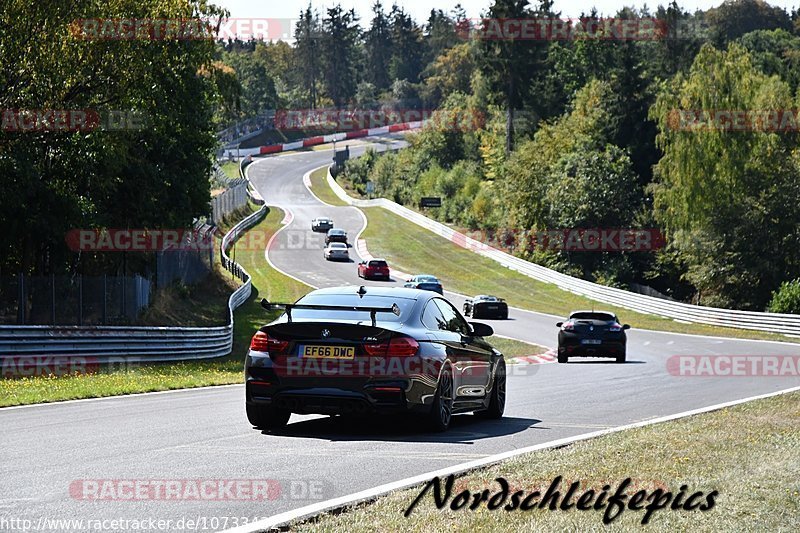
<point>594,316</point>
<point>377,263</point>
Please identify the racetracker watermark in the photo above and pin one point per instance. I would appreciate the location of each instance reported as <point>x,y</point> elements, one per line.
<point>23,366</point>
<point>12,524</point>
<point>564,29</point>
<point>386,367</point>
<point>734,365</point>
<point>136,490</point>
<point>139,240</point>
<point>347,120</point>
<point>71,120</point>
<point>182,29</point>
<point>566,240</point>
<point>613,240</point>
<point>738,120</point>
<point>598,240</point>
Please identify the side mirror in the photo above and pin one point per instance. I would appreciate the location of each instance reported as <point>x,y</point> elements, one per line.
<point>559,324</point>
<point>481,330</point>
<point>626,326</point>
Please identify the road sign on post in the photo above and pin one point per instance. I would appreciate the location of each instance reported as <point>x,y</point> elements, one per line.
<point>339,159</point>
<point>430,201</point>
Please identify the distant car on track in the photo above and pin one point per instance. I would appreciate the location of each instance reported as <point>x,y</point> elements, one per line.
<point>384,350</point>
<point>321,224</point>
<point>486,306</point>
<point>336,251</point>
<point>425,282</point>
<point>374,269</point>
<point>592,334</point>
<point>336,235</point>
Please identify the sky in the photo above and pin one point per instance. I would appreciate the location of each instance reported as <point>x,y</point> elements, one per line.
<point>420,9</point>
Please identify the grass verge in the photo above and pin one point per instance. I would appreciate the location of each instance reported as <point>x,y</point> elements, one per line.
<point>320,187</point>
<point>515,348</point>
<point>749,453</point>
<point>133,378</point>
<point>414,250</point>
<point>231,169</point>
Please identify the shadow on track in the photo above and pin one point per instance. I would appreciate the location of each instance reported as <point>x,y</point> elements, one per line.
<point>464,429</point>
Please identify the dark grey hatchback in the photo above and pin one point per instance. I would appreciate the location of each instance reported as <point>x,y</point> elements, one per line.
<point>356,350</point>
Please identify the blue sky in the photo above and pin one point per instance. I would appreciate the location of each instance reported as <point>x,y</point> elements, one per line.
<point>420,9</point>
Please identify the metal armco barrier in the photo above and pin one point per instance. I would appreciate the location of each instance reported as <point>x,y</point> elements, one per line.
<point>754,320</point>
<point>103,344</point>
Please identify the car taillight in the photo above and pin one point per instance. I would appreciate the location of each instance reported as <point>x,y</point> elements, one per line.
<point>396,347</point>
<point>262,342</point>
<point>615,327</point>
<point>568,326</point>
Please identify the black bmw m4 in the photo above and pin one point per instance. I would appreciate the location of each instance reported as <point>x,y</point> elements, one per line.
<point>372,350</point>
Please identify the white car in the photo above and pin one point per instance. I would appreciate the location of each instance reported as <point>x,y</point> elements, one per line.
<point>321,224</point>
<point>336,250</point>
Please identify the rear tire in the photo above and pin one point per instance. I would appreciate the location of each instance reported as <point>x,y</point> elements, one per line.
<point>497,401</point>
<point>442,409</point>
<point>562,357</point>
<point>621,359</point>
<point>268,417</point>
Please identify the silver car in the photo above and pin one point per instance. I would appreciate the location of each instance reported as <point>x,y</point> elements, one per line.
<point>321,224</point>
<point>336,251</point>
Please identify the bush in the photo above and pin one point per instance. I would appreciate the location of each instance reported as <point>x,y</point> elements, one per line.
<point>786,299</point>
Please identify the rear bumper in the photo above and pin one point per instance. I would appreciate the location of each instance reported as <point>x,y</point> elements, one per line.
<point>608,348</point>
<point>376,275</point>
<point>324,393</point>
<point>333,401</point>
<point>482,312</point>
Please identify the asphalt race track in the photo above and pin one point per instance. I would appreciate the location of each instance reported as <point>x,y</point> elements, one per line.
<point>204,435</point>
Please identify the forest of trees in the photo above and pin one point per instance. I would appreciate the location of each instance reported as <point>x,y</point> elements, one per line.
<point>576,133</point>
<point>148,175</point>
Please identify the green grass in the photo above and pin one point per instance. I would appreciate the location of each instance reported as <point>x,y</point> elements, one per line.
<point>231,169</point>
<point>515,348</point>
<point>749,453</point>
<point>412,249</point>
<point>116,380</point>
<point>134,378</point>
<point>320,187</point>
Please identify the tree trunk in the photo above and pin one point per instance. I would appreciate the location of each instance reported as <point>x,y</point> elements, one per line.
<point>510,116</point>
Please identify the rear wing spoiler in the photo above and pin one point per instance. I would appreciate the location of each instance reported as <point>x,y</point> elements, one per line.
<point>373,311</point>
